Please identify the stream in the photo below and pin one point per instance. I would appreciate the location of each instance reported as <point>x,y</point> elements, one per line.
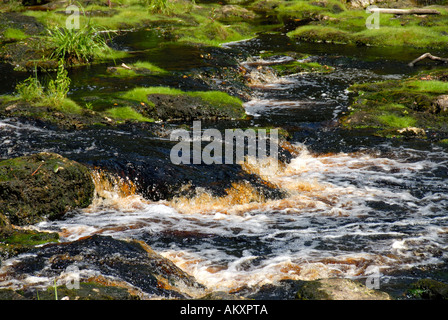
<point>356,205</point>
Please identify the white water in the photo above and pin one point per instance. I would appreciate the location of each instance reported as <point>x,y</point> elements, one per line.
<point>328,226</point>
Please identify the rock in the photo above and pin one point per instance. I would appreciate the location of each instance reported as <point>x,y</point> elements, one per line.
<point>413,132</point>
<point>31,189</point>
<point>234,11</point>
<point>429,289</point>
<point>338,289</point>
<point>18,241</point>
<point>8,294</point>
<point>361,4</point>
<point>184,107</point>
<point>86,291</point>
<point>133,263</point>
<point>440,104</point>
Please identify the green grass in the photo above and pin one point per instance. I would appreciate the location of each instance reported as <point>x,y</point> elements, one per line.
<point>77,45</point>
<point>126,113</point>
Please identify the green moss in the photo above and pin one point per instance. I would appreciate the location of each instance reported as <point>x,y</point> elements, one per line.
<point>136,69</point>
<point>145,65</point>
<point>127,113</point>
<point>394,121</point>
<point>298,67</point>
<point>20,241</point>
<point>349,27</point>
<point>394,106</point>
<point>30,238</point>
<point>141,94</point>
<point>14,34</point>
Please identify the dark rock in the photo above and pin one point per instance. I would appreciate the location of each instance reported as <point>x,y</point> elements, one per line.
<point>8,294</point>
<point>86,291</point>
<point>130,261</point>
<point>42,185</point>
<point>429,289</point>
<point>186,108</point>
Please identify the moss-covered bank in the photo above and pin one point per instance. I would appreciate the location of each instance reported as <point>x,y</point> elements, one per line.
<point>401,108</point>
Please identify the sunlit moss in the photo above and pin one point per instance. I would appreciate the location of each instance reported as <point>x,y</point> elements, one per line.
<point>127,113</point>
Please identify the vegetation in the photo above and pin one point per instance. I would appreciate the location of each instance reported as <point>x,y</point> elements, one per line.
<point>77,46</point>
<point>127,113</point>
<point>54,95</point>
<point>400,107</point>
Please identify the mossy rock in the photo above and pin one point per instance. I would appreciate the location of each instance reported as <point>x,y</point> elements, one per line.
<point>9,294</point>
<point>405,108</point>
<point>46,116</point>
<point>338,289</point>
<point>42,185</point>
<point>429,289</point>
<point>86,291</point>
<point>20,241</point>
<point>168,104</point>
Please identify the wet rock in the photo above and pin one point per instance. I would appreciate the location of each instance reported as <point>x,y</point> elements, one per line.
<point>18,241</point>
<point>42,185</point>
<point>8,294</point>
<point>85,291</point>
<point>23,54</point>
<point>47,117</point>
<point>186,108</point>
<point>429,289</point>
<point>338,289</point>
<point>133,262</point>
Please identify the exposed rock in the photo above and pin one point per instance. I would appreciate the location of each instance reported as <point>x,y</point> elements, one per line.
<point>18,241</point>
<point>8,294</point>
<point>440,104</point>
<point>338,289</point>
<point>42,185</point>
<point>429,289</point>
<point>135,263</point>
<point>184,107</point>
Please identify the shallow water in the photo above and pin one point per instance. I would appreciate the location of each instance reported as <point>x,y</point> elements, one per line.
<point>356,205</point>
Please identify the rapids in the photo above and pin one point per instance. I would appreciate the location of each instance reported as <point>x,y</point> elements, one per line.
<point>355,205</point>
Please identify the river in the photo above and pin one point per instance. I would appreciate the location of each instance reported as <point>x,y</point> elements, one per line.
<point>356,205</point>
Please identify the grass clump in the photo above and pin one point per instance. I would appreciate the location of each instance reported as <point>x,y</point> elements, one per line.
<point>77,45</point>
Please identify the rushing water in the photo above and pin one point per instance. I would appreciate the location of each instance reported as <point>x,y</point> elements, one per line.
<point>356,205</point>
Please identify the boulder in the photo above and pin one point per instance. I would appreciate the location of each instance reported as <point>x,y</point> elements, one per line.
<point>42,185</point>
<point>440,104</point>
<point>129,264</point>
<point>338,289</point>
